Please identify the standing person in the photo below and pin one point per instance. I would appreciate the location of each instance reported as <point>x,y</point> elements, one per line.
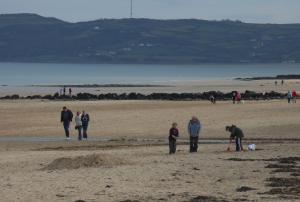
<point>276,83</point>
<point>173,136</point>
<point>233,97</point>
<point>289,96</point>
<point>194,128</point>
<point>282,82</point>
<point>60,91</point>
<point>294,95</point>
<point>70,91</point>
<point>237,134</point>
<point>66,119</point>
<point>78,126</point>
<point>238,97</point>
<point>64,89</point>
<point>85,118</point>
<point>212,99</point>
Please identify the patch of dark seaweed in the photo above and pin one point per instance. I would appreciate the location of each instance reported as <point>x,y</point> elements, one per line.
<point>244,189</point>
<point>284,182</point>
<point>239,159</point>
<point>207,199</point>
<point>288,193</point>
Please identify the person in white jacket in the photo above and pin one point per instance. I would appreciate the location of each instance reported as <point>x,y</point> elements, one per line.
<point>78,126</point>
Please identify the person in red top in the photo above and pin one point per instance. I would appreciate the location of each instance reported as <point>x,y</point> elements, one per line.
<point>294,96</point>
<point>173,136</point>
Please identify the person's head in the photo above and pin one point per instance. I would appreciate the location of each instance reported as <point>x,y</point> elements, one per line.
<point>83,112</point>
<point>174,125</point>
<point>195,119</point>
<point>78,113</point>
<point>64,108</point>
<point>228,128</point>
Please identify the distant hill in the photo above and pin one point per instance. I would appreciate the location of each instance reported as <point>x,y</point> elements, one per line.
<point>33,38</point>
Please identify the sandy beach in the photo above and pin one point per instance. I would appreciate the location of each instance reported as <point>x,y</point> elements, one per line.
<point>127,156</point>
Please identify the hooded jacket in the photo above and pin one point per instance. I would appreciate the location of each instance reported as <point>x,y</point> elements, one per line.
<point>194,128</point>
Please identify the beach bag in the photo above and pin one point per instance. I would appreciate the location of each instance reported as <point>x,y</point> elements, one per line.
<point>251,147</point>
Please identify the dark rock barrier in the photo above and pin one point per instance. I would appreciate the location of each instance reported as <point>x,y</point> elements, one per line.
<point>247,95</point>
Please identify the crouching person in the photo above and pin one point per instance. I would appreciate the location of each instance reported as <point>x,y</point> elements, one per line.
<point>173,136</point>
<point>237,134</point>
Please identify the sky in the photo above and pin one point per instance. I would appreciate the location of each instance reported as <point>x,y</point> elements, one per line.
<point>254,11</point>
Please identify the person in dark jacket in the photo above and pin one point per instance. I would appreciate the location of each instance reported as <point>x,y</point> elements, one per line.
<point>85,118</point>
<point>173,136</point>
<point>194,128</point>
<point>237,134</point>
<point>66,118</point>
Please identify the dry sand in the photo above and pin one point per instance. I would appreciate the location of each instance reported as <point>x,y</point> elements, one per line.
<point>129,169</point>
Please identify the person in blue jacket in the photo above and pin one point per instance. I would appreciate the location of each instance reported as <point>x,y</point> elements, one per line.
<point>194,128</point>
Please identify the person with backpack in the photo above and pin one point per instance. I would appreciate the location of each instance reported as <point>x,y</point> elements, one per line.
<point>194,128</point>
<point>66,119</point>
<point>85,118</point>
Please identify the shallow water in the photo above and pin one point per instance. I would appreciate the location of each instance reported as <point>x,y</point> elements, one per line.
<point>43,74</point>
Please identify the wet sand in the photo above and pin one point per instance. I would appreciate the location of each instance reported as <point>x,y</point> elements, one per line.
<point>223,85</point>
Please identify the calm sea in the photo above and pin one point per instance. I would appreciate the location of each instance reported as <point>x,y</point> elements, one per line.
<point>43,74</point>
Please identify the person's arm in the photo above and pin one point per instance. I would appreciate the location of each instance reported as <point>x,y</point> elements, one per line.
<point>61,117</point>
<point>189,128</point>
<point>71,115</point>
<point>88,117</point>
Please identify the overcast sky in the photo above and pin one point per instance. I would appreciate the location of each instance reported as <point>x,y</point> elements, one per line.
<point>260,11</point>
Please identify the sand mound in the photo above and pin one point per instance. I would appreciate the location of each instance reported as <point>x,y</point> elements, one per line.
<point>94,160</point>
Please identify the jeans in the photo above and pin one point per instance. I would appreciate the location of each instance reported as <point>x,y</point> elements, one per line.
<point>238,144</point>
<point>194,144</point>
<point>172,146</point>
<point>79,128</point>
<point>66,127</point>
<point>85,131</point>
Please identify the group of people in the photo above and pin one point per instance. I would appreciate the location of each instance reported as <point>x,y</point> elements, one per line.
<point>63,91</point>
<point>194,129</point>
<point>292,96</point>
<point>81,123</point>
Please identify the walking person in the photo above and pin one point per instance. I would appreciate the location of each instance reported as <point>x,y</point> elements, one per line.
<point>237,134</point>
<point>70,92</point>
<point>173,136</point>
<point>64,89</point>
<point>233,97</point>
<point>66,119</point>
<point>78,125</point>
<point>294,96</point>
<point>194,128</point>
<point>212,99</point>
<point>85,118</point>
<point>289,96</point>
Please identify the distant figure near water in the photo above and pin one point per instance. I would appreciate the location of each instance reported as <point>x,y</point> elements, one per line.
<point>194,128</point>
<point>282,82</point>
<point>64,89</point>
<point>212,99</point>
<point>70,91</point>
<point>66,119</point>
<point>289,96</point>
<point>294,95</point>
